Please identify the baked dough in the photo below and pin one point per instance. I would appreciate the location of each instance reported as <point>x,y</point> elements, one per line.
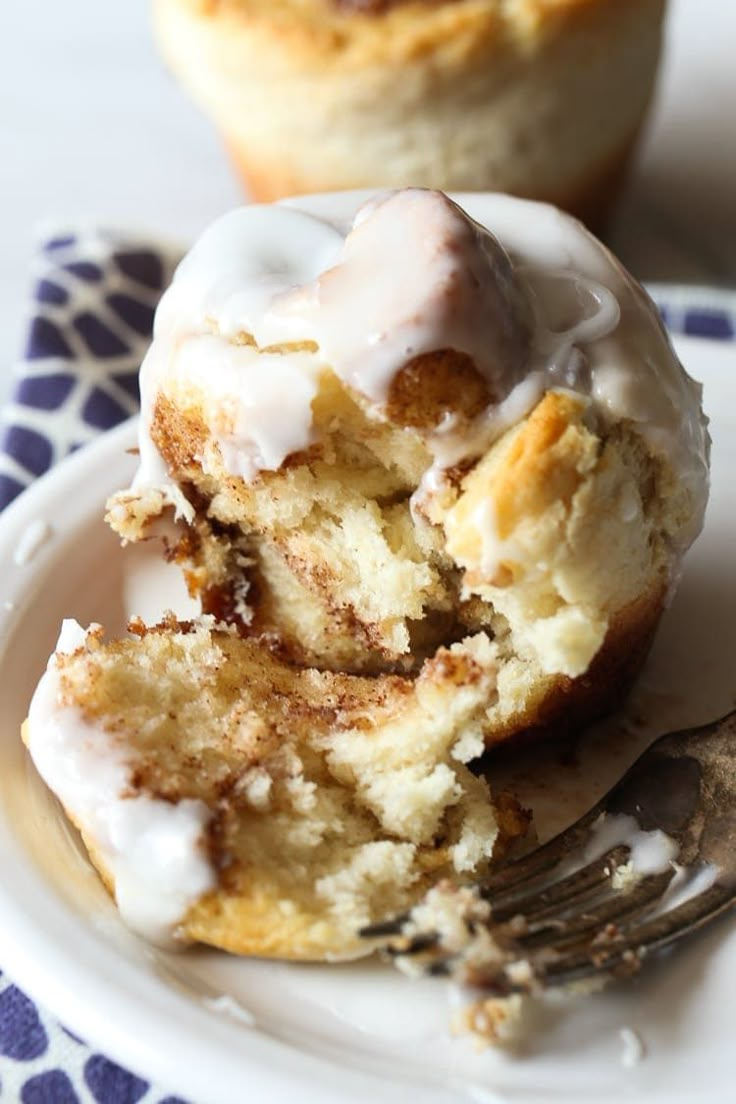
<point>371,507</point>
<point>540,98</point>
<point>433,487</point>
<point>325,801</point>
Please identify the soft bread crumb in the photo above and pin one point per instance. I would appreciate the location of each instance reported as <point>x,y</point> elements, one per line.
<point>633,1048</point>
<point>492,1021</point>
<point>335,799</point>
<point>554,544</point>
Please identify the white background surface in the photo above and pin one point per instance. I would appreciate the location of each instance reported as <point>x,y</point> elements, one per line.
<point>93,126</point>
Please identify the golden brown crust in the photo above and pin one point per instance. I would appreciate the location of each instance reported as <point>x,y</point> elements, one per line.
<point>543,462</point>
<point>250,919</point>
<point>591,196</point>
<point>312,33</point>
<point>565,705</point>
<point>179,434</point>
<point>474,95</point>
<point>254,924</point>
<point>428,386</point>
<point>308,37</point>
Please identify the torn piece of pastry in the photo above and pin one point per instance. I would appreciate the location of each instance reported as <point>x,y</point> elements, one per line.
<point>540,98</point>
<point>228,798</point>
<point>392,424</point>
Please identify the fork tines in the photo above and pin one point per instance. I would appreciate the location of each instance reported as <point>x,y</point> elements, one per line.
<point>577,927</point>
<point>654,860</point>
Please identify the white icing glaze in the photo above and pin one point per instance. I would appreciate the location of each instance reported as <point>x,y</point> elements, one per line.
<point>688,882</point>
<point>650,852</point>
<point>413,276</point>
<point>632,1047</point>
<point>274,415</point>
<point>152,474</point>
<point>152,848</point>
<point>371,281</point>
<point>225,1005</point>
<point>32,541</point>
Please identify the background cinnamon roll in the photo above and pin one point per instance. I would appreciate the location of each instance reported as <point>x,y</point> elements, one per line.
<point>540,98</point>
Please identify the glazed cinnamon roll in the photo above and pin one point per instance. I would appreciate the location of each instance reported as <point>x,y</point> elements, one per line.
<point>432,467</point>
<point>392,424</point>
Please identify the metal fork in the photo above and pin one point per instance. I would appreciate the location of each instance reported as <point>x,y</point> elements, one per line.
<point>572,909</point>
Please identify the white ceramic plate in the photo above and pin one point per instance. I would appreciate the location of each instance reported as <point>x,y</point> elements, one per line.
<point>218,1029</point>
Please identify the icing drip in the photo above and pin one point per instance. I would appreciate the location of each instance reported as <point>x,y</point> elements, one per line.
<point>451,286</point>
<point>151,847</point>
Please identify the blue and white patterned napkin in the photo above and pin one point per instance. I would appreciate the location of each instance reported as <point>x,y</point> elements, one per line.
<point>90,323</point>
<point>94,295</point>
